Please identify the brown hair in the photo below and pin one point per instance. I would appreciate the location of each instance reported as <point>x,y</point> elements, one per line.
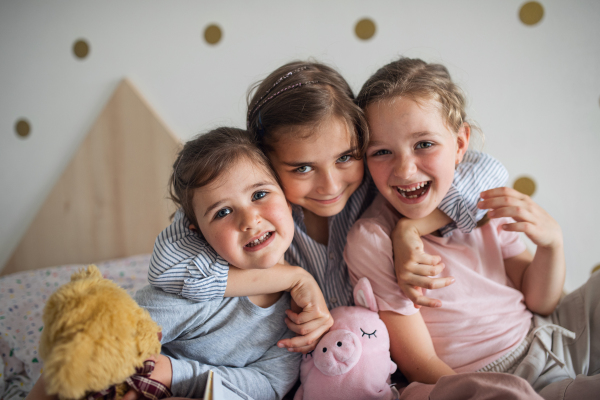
<point>303,94</point>
<point>205,157</point>
<point>416,79</point>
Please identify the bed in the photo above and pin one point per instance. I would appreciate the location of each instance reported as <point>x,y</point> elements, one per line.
<point>23,295</point>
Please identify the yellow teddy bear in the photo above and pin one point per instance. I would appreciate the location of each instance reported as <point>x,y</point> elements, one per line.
<point>96,340</point>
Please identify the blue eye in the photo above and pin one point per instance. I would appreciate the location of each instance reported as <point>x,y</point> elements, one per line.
<point>304,169</point>
<point>259,195</point>
<point>424,145</point>
<point>344,159</point>
<point>222,213</point>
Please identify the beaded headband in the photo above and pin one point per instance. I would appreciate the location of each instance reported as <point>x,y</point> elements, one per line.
<point>262,101</point>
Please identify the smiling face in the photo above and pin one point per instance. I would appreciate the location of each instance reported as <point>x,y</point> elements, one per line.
<point>412,154</point>
<point>244,216</point>
<point>317,168</point>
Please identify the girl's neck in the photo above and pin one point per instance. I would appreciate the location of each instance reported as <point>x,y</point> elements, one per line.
<point>317,227</point>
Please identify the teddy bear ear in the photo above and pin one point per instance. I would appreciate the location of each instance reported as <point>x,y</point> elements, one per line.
<point>91,272</point>
<point>363,295</point>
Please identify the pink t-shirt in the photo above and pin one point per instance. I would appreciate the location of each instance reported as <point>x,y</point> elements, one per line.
<point>482,317</point>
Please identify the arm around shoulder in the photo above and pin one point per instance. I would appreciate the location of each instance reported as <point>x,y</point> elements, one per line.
<point>477,172</point>
<point>184,263</point>
<point>414,268</point>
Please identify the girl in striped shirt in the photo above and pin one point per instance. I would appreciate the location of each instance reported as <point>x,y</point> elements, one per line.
<point>305,119</point>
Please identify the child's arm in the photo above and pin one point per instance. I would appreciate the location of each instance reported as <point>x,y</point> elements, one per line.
<point>413,266</point>
<point>183,263</point>
<point>539,278</point>
<point>38,392</point>
<point>476,173</point>
<point>311,323</point>
<point>187,325</point>
<point>270,377</point>
<point>162,373</point>
<point>368,253</point>
<point>412,349</point>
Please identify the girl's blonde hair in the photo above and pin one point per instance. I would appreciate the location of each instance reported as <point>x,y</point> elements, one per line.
<point>303,94</point>
<point>205,157</point>
<point>417,80</point>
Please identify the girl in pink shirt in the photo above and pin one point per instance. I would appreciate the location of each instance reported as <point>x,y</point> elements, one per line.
<point>419,134</point>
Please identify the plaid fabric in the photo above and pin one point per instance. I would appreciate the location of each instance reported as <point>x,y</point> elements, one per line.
<point>140,382</point>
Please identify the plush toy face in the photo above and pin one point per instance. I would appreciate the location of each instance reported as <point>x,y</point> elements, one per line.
<point>94,336</point>
<point>352,361</point>
<point>355,330</point>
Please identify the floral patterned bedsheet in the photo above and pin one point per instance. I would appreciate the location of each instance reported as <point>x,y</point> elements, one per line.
<point>22,299</point>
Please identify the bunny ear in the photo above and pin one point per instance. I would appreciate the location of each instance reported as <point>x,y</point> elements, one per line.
<point>363,295</point>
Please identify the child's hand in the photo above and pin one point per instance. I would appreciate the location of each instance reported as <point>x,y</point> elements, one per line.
<point>414,267</point>
<point>162,373</point>
<point>530,218</point>
<point>310,320</point>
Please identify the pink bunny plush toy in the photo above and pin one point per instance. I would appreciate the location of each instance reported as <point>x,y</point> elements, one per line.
<point>352,361</point>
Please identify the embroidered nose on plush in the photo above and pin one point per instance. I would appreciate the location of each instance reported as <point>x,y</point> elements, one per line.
<point>337,353</point>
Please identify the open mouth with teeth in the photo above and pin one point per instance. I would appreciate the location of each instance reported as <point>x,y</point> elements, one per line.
<point>260,240</point>
<point>414,191</point>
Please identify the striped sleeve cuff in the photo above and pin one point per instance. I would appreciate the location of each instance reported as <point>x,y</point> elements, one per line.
<point>476,173</point>
<point>183,263</point>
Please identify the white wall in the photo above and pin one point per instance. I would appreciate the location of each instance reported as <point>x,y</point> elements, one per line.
<point>534,90</point>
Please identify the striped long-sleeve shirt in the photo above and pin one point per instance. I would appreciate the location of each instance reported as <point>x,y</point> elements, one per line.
<point>184,263</point>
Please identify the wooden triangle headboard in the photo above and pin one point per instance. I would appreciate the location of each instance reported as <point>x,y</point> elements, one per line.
<point>111,201</point>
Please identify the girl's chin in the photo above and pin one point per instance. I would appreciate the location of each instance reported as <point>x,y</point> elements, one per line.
<point>326,212</point>
<point>414,211</point>
<point>414,215</point>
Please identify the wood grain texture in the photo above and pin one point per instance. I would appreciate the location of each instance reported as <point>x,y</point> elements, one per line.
<point>111,200</point>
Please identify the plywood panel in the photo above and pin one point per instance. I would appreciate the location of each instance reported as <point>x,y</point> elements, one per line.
<point>111,200</point>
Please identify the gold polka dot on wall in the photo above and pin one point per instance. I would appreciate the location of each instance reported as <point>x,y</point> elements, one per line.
<point>531,13</point>
<point>22,128</point>
<point>596,268</point>
<point>81,49</point>
<point>212,34</point>
<point>525,185</point>
<point>365,29</point>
